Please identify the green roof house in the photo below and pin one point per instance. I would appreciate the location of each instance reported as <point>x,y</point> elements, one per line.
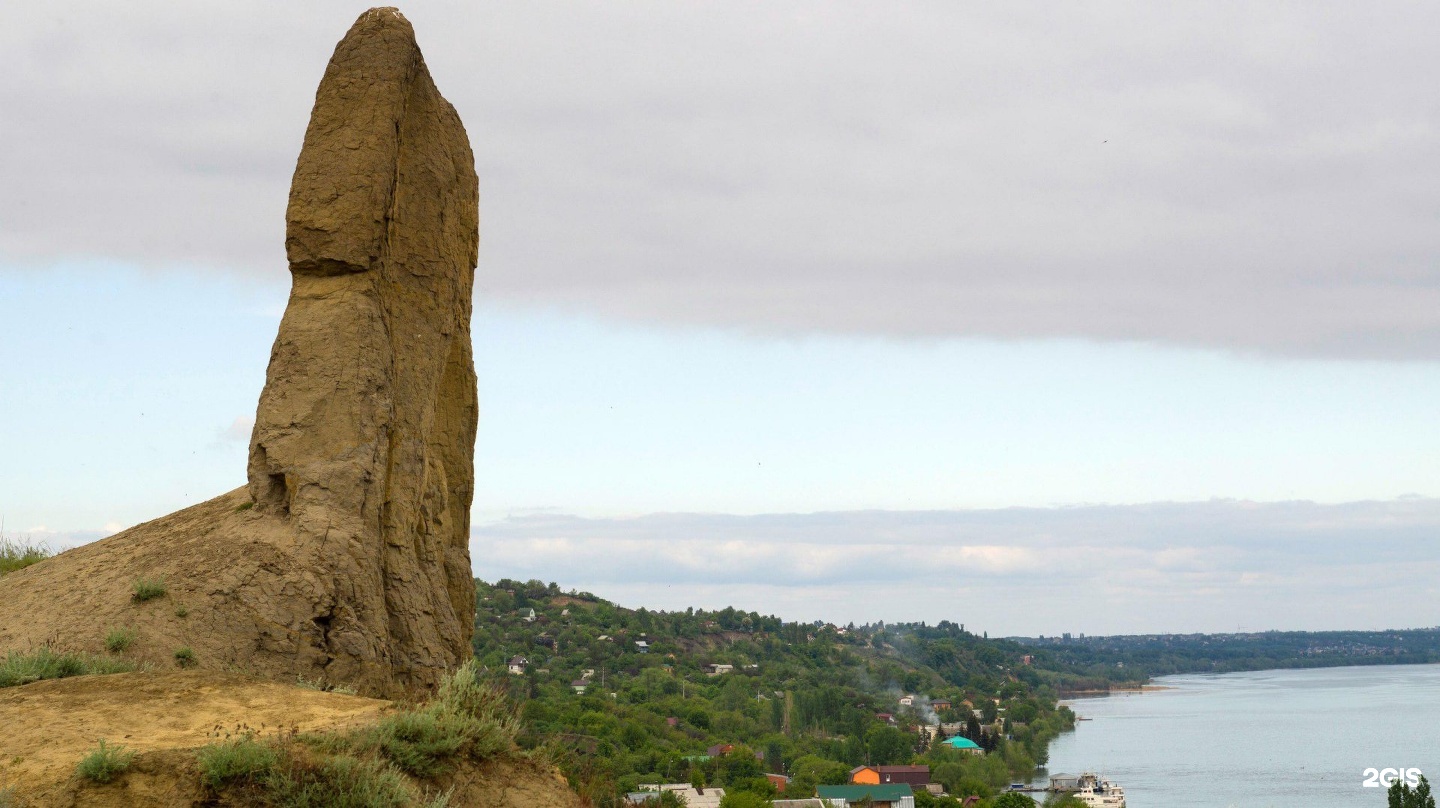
<point>894,795</point>
<point>964,745</point>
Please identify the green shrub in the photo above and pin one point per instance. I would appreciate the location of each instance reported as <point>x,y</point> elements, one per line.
<point>182,612</point>
<point>15,555</point>
<point>490,720</point>
<point>243,759</point>
<point>467,717</point>
<point>119,639</point>
<point>340,782</point>
<point>18,668</point>
<point>102,765</point>
<point>367,768</point>
<point>147,589</point>
<point>744,799</point>
<point>420,743</point>
<point>184,657</point>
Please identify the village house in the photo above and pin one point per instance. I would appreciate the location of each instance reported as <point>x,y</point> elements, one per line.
<point>886,717</point>
<point>940,705</point>
<point>914,776</point>
<point>579,686</point>
<point>907,701</point>
<point>517,665</point>
<point>716,670</point>
<point>965,745</point>
<point>528,615</point>
<point>642,646</point>
<point>778,780</point>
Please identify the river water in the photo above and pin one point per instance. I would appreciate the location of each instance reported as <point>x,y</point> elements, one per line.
<point>1260,739</point>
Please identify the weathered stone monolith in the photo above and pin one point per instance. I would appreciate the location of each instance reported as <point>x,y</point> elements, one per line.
<point>345,559</point>
<point>366,429</point>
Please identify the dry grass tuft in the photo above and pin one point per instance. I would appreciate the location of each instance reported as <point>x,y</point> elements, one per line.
<point>16,554</point>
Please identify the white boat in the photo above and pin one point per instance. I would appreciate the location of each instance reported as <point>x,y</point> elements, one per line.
<point>1098,793</point>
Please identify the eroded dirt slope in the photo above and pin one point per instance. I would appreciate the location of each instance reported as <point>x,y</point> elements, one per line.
<point>47,727</point>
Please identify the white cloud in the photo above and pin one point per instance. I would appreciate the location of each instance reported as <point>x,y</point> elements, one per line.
<point>1102,569</point>
<point>1254,177</point>
<point>239,429</point>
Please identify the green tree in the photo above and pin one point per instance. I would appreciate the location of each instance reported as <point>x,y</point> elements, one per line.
<point>889,746</point>
<point>1402,795</point>
<point>774,757</point>
<point>744,799</point>
<point>924,799</point>
<point>1012,799</point>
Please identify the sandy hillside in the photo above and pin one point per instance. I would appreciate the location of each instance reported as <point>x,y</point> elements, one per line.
<point>47,727</point>
<point>50,725</point>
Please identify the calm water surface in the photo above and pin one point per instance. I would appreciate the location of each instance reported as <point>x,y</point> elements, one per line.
<point>1261,739</point>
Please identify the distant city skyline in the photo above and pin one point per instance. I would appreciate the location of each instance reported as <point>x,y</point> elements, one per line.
<point>808,309</point>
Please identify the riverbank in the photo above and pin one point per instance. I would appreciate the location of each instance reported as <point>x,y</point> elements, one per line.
<point>1146,688</point>
<point>1257,738</point>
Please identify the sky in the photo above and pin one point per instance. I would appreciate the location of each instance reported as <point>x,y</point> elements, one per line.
<point>1104,318</point>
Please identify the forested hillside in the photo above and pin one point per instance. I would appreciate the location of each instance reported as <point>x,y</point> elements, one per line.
<point>1098,662</point>
<point>804,700</point>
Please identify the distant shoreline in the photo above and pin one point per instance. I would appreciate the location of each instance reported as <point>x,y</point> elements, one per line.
<point>1107,691</point>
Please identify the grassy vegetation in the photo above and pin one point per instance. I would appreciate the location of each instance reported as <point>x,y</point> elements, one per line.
<point>147,589</point>
<point>184,657</point>
<point>117,640</point>
<point>367,768</point>
<point>182,612</point>
<point>340,780</point>
<point>18,668</point>
<point>102,765</point>
<point>8,797</point>
<point>241,760</point>
<point>15,555</point>
<point>468,718</point>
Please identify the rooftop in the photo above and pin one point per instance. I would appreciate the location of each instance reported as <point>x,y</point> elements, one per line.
<point>891,792</point>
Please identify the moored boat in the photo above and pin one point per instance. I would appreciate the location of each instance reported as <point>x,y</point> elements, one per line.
<point>1096,792</point>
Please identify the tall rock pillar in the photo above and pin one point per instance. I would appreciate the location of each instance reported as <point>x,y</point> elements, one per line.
<point>365,432</point>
